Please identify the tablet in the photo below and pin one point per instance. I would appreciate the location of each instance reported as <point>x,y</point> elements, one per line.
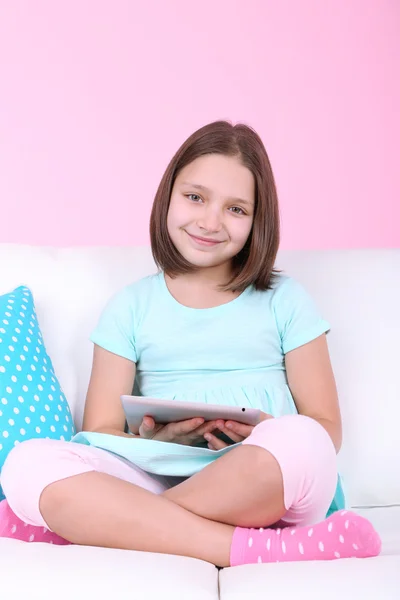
<point>172,411</point>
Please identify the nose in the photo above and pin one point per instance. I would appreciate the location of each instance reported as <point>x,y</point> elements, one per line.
<point>210,220</point>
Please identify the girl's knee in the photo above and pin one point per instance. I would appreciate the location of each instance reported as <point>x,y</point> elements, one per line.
<point>295,430</point>
<point>22,459</point>
<point>21,472</point>
<point>306,457</point>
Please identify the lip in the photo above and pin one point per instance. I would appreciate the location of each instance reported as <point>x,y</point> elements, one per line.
<point>204,241</point>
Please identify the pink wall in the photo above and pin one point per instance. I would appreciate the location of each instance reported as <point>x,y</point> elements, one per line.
<point>96,96</point>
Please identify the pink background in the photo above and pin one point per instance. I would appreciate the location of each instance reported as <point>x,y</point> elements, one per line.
<point>97,95</point>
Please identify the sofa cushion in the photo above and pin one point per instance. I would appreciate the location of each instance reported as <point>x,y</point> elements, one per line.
<point>32,404</point>
<point>64,572</point>
<point>347,579</point>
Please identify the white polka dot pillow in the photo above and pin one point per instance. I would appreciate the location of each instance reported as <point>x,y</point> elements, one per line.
<point>32,404</point>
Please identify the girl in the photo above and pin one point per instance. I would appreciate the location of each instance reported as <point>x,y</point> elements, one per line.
<point>217,324</point>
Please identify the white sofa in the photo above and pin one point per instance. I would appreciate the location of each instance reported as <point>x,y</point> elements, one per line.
<point>358,291</point>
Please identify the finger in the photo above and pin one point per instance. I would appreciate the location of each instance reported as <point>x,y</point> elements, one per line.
<point>147,427</point>
<point>207,427</point>
<point>184,427</point>
<point>264,416</point>
<point>235,437</point>
<point>215,442</point>
<point>239,428</point>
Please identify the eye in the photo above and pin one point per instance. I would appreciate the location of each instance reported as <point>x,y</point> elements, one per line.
<point>237,210</point>
<point>193,197</point>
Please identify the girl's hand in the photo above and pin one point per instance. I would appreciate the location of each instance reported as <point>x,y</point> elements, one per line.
<point>237,432</point>
<point>189,433</point>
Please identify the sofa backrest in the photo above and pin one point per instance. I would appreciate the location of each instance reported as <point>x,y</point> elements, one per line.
<point>357,291</point>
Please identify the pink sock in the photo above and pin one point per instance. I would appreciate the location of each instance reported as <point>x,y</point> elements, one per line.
<point>343,535</point>
<point>12,527</point>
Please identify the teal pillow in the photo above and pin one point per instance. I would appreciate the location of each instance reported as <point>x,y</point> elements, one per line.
<point>32,404</point>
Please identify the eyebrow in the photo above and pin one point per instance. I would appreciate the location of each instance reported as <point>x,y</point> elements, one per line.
<point>203,188</point>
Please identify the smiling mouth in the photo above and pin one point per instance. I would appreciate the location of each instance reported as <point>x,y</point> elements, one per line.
<point>204,241</point>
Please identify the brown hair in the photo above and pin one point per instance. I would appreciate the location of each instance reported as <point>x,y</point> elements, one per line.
<point>254,263</point>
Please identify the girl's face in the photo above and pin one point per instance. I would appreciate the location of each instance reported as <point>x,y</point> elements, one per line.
<point>211,210</point>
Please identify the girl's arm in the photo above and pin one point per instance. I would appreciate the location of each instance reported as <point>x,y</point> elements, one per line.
<point>111,377</point>
<point>312,383</point>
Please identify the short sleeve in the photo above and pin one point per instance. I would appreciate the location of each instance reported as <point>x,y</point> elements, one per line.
<point>297,316</point>
<point>115,330</point>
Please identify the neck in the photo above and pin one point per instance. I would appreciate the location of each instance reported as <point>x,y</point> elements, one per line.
<point>212,277</point>
<point>202,288</point>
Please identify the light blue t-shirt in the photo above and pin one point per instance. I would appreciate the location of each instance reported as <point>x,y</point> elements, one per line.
<point>231,354</point>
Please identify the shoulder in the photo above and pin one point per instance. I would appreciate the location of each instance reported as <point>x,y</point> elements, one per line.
<point>283,288</point>
<point>140,289</point>
<point>287,288</point>
<point>130,300</point>
<point>285,297</point>
<point>284,283</point>
<point>289,297</point>
<point>296,313</point>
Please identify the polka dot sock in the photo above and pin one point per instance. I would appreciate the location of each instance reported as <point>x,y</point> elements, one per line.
<point>343,535</point>
<point>12,527</point>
